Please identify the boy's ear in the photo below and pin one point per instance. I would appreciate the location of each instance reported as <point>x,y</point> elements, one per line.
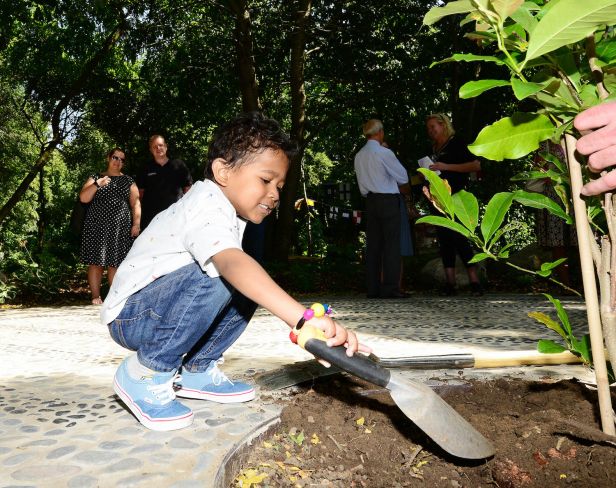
<point>220,170</point>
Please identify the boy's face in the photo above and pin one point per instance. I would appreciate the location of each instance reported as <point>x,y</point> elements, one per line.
<point>253,188</point>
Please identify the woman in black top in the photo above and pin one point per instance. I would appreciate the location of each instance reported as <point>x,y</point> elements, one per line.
<point>453,159</point>
<point>112,221</point>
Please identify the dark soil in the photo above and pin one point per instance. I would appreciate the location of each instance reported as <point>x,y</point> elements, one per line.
<point>344,432</point>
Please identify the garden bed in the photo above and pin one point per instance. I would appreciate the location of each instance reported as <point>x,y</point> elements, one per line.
<point>344,432</point>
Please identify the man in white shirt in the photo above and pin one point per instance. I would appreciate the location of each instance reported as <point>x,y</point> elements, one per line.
<point>379,176</point>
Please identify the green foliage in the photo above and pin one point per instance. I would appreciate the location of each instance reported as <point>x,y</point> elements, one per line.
<point>536,42</point>
<point>31,279</point>
<point>579,347</point>
<point>548,49</point>
<point>512,137</point>
<point>174,71</point>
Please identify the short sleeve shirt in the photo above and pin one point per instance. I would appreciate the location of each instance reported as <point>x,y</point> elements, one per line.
<point>162,186</point>
<point>378,170</point>
<point>197,227</point>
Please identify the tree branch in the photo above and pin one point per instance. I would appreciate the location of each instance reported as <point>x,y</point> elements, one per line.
<point>57,134</point>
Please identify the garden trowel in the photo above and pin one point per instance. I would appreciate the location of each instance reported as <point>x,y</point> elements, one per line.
<point>418,402</point>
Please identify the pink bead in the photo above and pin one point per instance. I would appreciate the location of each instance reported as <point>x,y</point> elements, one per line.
<point>308,314</point>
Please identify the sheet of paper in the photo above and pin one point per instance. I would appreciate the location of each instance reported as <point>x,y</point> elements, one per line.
<point>425,162</point>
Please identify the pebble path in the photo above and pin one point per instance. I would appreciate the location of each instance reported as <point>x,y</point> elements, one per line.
<point>61,425</point>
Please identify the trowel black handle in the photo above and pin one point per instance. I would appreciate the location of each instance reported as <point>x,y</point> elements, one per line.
<point>358,365</point>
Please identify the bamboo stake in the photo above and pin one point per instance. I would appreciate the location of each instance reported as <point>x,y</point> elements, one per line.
<point>590,290</point>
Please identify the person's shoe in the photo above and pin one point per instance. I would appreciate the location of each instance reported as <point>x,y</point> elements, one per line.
<point>476,289</point>
<point>448,290</point>
<point>213,385</point>
<point>397,294</point>
<point>152,400</point>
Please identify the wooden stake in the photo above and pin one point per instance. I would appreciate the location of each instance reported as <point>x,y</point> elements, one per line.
<point>590,289</point>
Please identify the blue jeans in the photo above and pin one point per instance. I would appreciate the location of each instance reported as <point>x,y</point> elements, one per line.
<point>184,318</point>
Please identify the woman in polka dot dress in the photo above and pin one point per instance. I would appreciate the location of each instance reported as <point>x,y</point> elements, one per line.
<point>112,221</point>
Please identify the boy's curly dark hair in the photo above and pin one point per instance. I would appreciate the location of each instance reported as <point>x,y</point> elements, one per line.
<point>247,134</point>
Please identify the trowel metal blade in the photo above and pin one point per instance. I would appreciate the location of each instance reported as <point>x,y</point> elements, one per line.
<point>438,419</point>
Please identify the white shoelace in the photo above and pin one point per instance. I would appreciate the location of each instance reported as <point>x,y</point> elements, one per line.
<point>217,375</point>
<point>164,392</point>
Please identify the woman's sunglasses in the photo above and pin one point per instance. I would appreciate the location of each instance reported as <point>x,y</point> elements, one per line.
<point>118,158</point>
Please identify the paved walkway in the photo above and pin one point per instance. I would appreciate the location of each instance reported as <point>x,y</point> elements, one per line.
<point>62,426</point>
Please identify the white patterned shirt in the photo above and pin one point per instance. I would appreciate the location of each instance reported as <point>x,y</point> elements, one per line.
<point>195,228</point>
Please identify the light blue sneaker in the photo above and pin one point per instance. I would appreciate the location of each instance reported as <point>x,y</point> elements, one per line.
<point>213,385</point>
<point>152,400</point>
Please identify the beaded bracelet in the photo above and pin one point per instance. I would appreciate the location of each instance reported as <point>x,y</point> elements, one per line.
<point>315,310</point>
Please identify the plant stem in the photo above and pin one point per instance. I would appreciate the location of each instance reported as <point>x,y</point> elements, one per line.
<point>530,271</point>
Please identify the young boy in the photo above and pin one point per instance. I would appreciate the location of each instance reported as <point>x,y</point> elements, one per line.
<point>183,294</point>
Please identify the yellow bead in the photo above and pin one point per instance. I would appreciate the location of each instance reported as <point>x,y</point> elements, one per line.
<point>319,310</point>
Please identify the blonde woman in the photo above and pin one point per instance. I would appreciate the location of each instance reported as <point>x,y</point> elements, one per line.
<point>452,158</point>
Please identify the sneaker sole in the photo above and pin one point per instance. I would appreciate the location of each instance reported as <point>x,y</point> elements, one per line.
<point>216,397</point>
<point>161,425</point>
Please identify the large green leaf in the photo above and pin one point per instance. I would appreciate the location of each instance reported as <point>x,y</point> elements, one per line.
<point>549,347</point>
<point>444,222</point>
<point>472,89</point>
<point>524,89</point>
<point>512,137</point>
<point>547,268</point>
<point>538,175</point>
<point>504,8</point>
<point>569,21</point>
<point>583,347</point>
<point>606,50</point>
<point>495,213</point>
<point>562,314</point>
<point>525,18</point>
<point>609,81</point>
<point>549,322</point>
<point>466,209</point>
<point>469,57</point>
<point>589,96</point>
<point>439,191</point>
<point>477,258</point>
<point>540,201</point>
<point>451,8</point>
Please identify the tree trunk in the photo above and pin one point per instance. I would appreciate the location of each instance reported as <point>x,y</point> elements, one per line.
<point>249,86</point>
<point>58,136</point>
<point>41,211</point>
<point>284,225</point>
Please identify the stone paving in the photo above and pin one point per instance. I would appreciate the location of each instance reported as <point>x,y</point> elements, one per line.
<point>62,426</point>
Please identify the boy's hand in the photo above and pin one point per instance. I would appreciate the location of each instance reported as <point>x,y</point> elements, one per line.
<point>337,335</point>
<point>599,144</point>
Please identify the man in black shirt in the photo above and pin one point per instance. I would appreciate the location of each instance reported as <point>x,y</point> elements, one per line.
<point>162,182</point>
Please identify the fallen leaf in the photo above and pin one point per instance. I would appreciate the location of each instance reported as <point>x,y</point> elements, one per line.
<point>250,477</point>
<point>315,439</point>
<point>298,439</point>
<point>367,431</point>
<point>360,421</point>
<point>540,458</point>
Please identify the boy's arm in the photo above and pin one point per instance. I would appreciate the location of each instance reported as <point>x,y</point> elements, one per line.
<point>251,280</point>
